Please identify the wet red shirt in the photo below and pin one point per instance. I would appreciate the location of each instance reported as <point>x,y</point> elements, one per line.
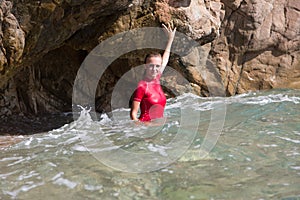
<point>152,98</point>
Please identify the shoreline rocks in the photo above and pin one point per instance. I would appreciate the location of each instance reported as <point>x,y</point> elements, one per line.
<point>251,45</point>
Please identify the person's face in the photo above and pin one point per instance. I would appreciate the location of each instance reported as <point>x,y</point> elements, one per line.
<point>152,67</point>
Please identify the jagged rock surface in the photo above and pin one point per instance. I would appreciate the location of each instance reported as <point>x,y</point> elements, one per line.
<point>250,44</point>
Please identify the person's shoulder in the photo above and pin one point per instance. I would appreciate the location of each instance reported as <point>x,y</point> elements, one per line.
<point>142,83</point>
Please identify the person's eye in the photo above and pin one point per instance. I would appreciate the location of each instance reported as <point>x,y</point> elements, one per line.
<point>153,66</point>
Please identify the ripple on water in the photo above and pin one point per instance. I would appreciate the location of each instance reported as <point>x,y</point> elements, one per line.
<point>256,157</point>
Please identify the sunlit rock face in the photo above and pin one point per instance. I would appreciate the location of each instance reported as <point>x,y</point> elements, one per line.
<point>260,46</point>
<point>242,46</point>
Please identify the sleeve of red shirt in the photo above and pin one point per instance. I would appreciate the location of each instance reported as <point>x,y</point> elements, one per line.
<point>139,93</point>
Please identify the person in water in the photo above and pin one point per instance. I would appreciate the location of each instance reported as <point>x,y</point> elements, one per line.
<point>149,96</point>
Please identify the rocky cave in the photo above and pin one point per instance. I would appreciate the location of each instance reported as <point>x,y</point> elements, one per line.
<point>250,44</point>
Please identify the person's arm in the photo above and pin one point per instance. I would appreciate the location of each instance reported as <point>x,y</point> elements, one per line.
<point>166,55</point>
<point>134,110</point>
<point>137,98</point>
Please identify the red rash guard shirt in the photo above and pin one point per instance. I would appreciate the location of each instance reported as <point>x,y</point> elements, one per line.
<point>152,98</point>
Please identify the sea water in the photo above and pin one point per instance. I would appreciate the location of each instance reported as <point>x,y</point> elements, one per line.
<point>240,147</point>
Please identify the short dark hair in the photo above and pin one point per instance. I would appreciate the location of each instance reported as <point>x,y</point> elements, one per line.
<point>152,54</point>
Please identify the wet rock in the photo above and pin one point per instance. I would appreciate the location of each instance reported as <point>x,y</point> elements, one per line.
<point>12,40</point>
<point>242,46</point>
<point>27,125</point>
<point>7,141</point>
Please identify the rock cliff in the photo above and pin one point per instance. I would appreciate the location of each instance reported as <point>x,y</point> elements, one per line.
<point>251,45</point>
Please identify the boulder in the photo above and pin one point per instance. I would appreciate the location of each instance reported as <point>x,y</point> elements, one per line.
<point>240,46</point>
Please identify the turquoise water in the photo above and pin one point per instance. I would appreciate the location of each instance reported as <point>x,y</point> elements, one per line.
<point>241,147</point>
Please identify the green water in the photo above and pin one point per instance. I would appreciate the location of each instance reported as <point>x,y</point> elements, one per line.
<point>256,156</point>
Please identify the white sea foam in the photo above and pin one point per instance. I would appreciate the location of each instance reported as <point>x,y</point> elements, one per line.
<point>289,139</point>
<point>52,160</point>
<point>263,100</point>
